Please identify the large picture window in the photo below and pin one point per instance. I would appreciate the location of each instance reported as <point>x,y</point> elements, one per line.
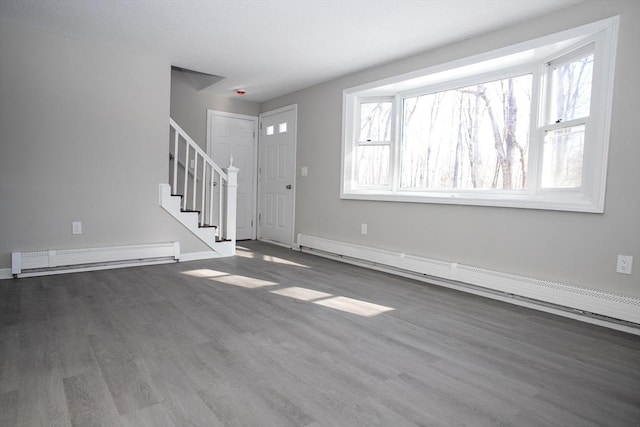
<point>472,137</point>
<point>523,127</point>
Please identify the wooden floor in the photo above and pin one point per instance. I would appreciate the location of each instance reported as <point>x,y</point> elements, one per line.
<point>273,337</point>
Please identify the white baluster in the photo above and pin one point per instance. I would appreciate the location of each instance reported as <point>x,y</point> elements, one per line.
<point>203,183</point>
<point>195,181</point>
<point>232,200</point>
<point>220,224</point>
<point>174,189</point>
<point>213,176</point>
<point>186,175</point>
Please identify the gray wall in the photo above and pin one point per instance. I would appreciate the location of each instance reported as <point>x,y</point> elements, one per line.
<point>575,248</point>
<point>83,136</point>
<point>189,108</point>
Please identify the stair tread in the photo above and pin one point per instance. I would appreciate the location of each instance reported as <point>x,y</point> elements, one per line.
<point>210,238</point>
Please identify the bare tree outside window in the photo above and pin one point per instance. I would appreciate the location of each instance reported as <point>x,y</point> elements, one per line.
<point>375,121</point>
<point>374,144</point>
<point>474,137</point>
<point>570,102</point>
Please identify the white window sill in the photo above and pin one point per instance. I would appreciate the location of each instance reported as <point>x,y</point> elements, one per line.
<point>556,201</point>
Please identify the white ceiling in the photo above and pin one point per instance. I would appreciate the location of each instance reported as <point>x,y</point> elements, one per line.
<point>273,47</point>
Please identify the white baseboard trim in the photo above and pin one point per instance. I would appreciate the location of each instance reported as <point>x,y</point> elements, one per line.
<point>57,261</point>
<point>95,267</point>
<point>5,273</point>
<point>588,305</point>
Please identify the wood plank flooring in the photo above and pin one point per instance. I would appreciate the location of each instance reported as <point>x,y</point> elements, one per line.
<point>271,338</point>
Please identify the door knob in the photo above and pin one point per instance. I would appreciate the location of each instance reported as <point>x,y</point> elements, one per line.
<point>288,187</point>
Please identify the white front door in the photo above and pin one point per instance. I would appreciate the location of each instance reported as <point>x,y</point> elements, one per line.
<point>229,135</point>
<point>276,198</point>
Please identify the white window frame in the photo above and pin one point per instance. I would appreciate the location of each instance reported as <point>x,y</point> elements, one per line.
<point>392,137</point>
<point>531,57</point>
<point>546,122</point>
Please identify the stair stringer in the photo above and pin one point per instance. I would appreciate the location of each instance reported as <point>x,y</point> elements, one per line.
<point>190,221</point>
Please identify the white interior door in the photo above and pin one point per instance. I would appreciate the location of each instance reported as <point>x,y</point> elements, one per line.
<point>276,175</point>
<point>234,135</point>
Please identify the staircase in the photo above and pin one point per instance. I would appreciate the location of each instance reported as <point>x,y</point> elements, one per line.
<point>201,196</point>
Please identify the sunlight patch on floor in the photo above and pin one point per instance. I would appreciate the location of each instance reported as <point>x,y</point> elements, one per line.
<point>354,306</point>
<point>244,252</point>
<point>282,261</point>
<point>302,294</point>
<point>349,305</point>
<point>230,279</point>
<point>244,281</point>
<point>205,272</point>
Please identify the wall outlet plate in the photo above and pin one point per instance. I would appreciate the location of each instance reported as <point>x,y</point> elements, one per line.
<point>76,227</point>
<point>363,228</point>
<point>624,265</point>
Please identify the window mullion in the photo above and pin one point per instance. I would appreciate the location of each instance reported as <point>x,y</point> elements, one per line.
<point>373,144</point>
<point>396,142</point>
<point>567,124</point>
<point>539,94</point>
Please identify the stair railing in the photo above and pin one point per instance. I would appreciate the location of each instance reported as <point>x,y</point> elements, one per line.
<point>205,188</point>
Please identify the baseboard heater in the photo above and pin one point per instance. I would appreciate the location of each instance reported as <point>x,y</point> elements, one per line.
<point>606,309</point>
<point>55,261</point>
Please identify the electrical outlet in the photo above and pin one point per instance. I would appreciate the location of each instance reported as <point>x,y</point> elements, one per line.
<point>76,227</point>
<point>304,171</point>
<point>363,228</point>
<point>625,262</point>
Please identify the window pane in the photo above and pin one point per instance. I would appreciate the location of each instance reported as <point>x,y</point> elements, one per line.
<point>563,155</point>
<point>475,137</point>
<point>372,165</point>
<point>571,90</point>
<point>375,121</point>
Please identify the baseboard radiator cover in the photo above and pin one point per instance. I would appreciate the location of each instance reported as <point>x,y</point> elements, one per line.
<point>534,292</point>
<point>54,261</point>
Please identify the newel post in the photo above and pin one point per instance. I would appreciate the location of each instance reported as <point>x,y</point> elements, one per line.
<point>232,201</point>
